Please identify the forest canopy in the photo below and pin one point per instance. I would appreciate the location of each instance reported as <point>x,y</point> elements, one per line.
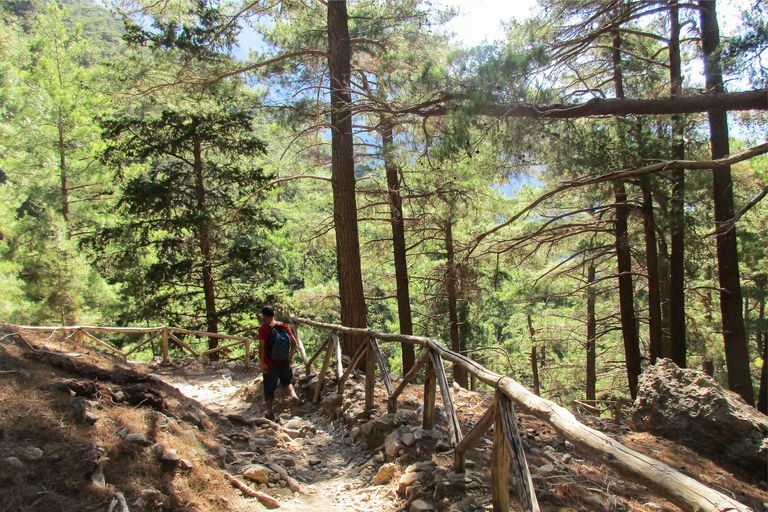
<point>566,205</point>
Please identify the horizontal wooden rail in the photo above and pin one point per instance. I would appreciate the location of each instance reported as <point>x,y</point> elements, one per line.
<point>684,491</point>
<point>165,331</point>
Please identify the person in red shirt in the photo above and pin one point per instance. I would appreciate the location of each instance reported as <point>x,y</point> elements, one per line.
<point>274,372</point>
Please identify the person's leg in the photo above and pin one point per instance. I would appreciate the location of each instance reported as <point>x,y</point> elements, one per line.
<point>286,379</point>
<point>270,385</point>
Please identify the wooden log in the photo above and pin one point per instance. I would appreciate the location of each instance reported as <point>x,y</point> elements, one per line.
<point>370,376</point>
<point>266,499</point>
<point>324,346</point>
<point>204,334</point>
<point>165,345</point>
<point>107,345</point>
<point>525,490</point>
<point>392,401</point>
<point>219,349</point>
<point>382,366</point>
<point>499,462</point>
<point>355,359</point>
<point>683,491</point>
<point>474,435</point>
<point>430,393</point>
<point>182,344</point>
<point>337,349</point>
<point>142,344</point>
<point>454,427</point>
<point>295,330</point>
<point>321,375</point>
<point>94,328</point>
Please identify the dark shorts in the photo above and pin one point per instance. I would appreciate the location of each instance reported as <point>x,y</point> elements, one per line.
<point>283,373</point>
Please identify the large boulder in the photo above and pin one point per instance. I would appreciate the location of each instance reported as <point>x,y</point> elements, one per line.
<point>688,406</point>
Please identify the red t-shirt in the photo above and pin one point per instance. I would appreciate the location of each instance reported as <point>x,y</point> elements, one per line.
<point>263,336</point>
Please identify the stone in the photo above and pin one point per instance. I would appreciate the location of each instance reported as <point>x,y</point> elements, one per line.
<point>257,473</point>
<point>689,407</point>
<point>443,445</point>
<point>331,404</point>
<point>407,480</point>
<point>185,464</point>
<point>593,502</point>
<point>97,477</point>
<point>285,460</point>
<point>392,446</point>
<point>77,409</point>
<point>421,506</point>
<point>546,469</point>
<point>31,453</point>
<point>219,453</point>
<point>408,439</point>
<point>157,450</point>
<point>136,438</point>
<point>384,475</point>
<point>90,418</point>
<point>424,465</point>
<point>169,461</point>
<point>151,499</point>
<point>14,462</point>
<point>192,418</point>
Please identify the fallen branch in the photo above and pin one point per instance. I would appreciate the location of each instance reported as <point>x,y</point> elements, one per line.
<point>292,483</point>
<point>266,499</point>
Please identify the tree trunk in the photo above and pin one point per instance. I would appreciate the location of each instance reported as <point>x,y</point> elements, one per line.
<point>63,172</point>
<point>678,344</point>
<point>666,300</point>
<point>623,255</point>
<point>353,312</point>
<point>398,243</point>
<point>459,372</point>
<point>652,262</point>
<point>762,400</point>
<point>734,334</point>
<point>591,336</point>
<point>204,239</point>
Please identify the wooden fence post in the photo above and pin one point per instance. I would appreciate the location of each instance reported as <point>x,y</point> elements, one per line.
<point>165,345</point>
<point>430,393</point>
<point>370,376</point>
<point>247,353</point>
<point>454,427</point>
<point>323,370</point>
<point>382,366</point>
<point>474,435</point>
<point>295,329</point>
<point>500,461</point>
<point>337,348</point>
<point>79,338</point>
<point>525,489</point>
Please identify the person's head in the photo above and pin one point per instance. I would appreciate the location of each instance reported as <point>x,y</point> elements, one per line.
<point>268,312</point>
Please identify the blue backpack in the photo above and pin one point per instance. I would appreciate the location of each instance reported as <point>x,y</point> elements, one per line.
<point>279,343</point>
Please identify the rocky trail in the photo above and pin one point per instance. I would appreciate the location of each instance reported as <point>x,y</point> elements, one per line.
<point>80,430</point>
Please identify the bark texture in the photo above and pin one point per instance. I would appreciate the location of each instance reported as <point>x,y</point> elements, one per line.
<point>353,311</point>
<point>734,334</point>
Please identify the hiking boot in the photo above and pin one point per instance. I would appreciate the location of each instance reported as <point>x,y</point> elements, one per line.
<point>295,400</point>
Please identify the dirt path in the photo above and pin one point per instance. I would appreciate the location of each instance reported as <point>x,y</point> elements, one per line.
<point>329,467</point>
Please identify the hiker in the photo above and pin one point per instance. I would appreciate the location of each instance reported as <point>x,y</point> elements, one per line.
<point>276,348</point>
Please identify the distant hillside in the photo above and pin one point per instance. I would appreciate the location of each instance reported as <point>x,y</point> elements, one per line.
<point>98,24</point>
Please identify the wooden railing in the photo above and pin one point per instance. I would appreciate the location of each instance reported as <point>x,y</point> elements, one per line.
<point>682,490</point>
<point>168,334</point>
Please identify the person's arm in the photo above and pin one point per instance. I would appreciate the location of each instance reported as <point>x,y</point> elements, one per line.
<point>262,351</point>
<point>294,344</point>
